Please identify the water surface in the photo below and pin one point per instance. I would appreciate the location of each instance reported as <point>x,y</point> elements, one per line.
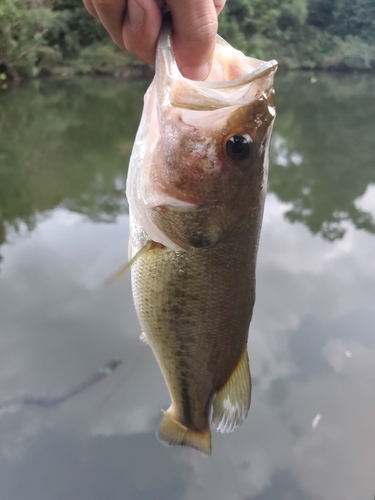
<point>64,150</point>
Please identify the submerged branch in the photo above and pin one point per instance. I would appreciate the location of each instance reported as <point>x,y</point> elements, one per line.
<point>52,401</point>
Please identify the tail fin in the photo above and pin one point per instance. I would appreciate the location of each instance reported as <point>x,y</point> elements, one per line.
<point>172,433</point>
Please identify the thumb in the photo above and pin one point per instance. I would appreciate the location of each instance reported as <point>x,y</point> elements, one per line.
<point>194,36</point>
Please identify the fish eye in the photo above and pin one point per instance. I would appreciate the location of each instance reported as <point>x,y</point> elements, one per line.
<point>238,147</point>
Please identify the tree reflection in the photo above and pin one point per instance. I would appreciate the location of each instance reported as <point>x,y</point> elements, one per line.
<point>323,150</point>
<point>66,144</point>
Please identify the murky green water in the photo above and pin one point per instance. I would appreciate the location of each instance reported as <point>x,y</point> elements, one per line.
<point>64,149</point>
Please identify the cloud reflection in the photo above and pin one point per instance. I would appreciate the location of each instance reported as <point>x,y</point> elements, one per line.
<point>58,326</point>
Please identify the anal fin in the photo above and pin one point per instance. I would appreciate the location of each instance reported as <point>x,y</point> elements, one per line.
<point>172,433</point>
<point>232,402</point>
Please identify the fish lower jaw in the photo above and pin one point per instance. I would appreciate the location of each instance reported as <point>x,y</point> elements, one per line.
<point>174,203</point>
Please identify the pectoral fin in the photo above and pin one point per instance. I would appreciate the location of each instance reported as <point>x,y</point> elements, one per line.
<point>172,433</point>
<point>124,269</point>
<point>231,403</point>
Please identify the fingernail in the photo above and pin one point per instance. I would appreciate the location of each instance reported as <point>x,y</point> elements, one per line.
<point>136,14</point>
<point>196,72</point>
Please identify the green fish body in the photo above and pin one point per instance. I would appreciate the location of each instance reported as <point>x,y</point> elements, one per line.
<point>196,187</point>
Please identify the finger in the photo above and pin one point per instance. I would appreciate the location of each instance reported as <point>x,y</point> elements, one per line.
<point>219,5</point>
<point>90,8</point>
<point>141,28</point>
<point>111,13</point>
<point>194,36</point>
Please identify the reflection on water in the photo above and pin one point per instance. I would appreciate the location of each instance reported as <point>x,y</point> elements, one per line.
<point>324,151</point>
<point>65,144</point>
<point>64,149</point>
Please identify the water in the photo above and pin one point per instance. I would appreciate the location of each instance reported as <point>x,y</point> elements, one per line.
<point>64,149</point>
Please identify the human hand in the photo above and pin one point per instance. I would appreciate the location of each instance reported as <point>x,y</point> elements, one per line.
<point>134,25</point>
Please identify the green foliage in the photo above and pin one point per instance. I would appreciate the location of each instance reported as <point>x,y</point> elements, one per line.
<point>257,26</point>
<point>100,59</point>
<point>352,53</point>
<point>354,17</point>
<point>325,34</point>
<point>344,18</point>
<point>320,13</point>
<point>59,36</point>
<point>261,17</point>
<point>23,48</point>
<point>74,28</point>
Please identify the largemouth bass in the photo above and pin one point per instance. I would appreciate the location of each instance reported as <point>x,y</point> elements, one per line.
<point>196,187</point>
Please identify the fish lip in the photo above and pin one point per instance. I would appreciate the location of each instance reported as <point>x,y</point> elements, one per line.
<point>189,207</point>
<point>181,92</point>
<point>263,70</point>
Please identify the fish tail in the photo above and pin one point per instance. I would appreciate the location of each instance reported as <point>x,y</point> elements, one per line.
<point>172,433</point>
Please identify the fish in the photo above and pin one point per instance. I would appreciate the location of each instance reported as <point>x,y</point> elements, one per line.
<point>196,187</point>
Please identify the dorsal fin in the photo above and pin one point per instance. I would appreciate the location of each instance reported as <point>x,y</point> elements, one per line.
<point>231,403</point>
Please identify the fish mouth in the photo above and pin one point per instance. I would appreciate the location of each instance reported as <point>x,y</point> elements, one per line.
<point>234,79</point>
